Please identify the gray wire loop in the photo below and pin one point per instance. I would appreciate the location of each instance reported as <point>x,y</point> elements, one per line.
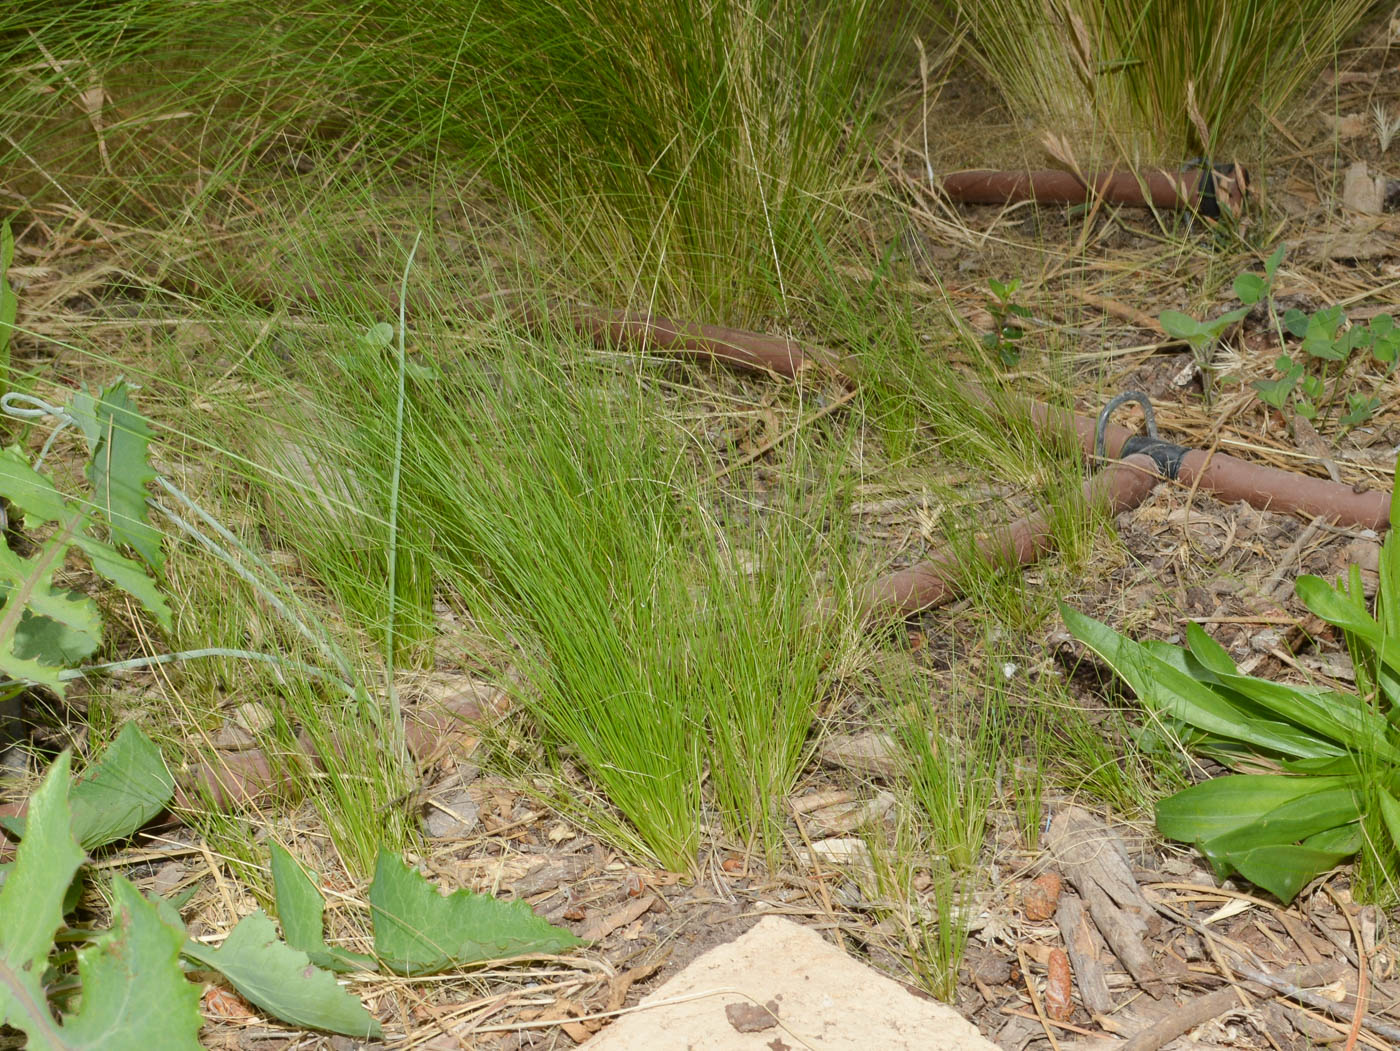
<point>12,401</point>
<point>1123,399</point>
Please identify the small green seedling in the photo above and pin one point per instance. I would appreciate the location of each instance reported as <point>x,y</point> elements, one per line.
<point>1202,336</point>
<point>1006,333</point>
<point>1309,377</point>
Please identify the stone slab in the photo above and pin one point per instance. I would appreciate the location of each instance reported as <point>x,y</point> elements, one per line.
<point>823,999</point>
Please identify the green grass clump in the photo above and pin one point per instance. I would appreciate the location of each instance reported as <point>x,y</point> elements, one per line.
<point>1154,81</point>
<point>659,154</point>
<point>661,631</point>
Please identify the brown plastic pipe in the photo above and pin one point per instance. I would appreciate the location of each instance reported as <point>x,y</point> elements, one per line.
<point>1119,487</point>
<point>737,348</point>
<point>1229,478</point>
<point>1162,189</point>
<point>928,584</point>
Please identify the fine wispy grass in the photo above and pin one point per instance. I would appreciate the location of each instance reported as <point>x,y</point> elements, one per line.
<point>1157,81</point>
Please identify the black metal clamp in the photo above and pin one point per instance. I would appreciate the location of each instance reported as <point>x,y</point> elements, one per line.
<point>1166,455</point>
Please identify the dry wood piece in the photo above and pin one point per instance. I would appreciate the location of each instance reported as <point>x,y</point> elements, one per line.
<point>1204,1008</point>
<point>1086,952</point>
<point>1093,858</point>
<point>874,754</point>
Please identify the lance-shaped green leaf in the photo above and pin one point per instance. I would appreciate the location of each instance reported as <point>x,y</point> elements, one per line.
<point>418,931</point>
<point>282,981</point>
<point>120,470</point>
<point>301,909</point>
<point>1222,805</point>
<point>9,302</point>
<point>1164,686</point>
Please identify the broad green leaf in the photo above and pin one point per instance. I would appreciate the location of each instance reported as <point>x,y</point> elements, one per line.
<point>29,490</point>
<point>1296,322</point>
<point>1272,263</point>
<point>135,995</point>
<point>1285,869</point>
<point>1223,805</point>
<point>282,981</point>
<point>125,788</point>
<point>1390,814</point>
<point>120,470</point>
<point>1290,822</point>
<point>1360,408</point>
<point>127,574</point>
<point>378,336</point>
<point>1210,653</point>
<point>1165,687</point>
<point>1275,392</point>
<point>1250,288</point>
<point>31,903</point>
<point>301,910</point>
<point>1320,339</point>
<point>418,931</point>
<point>128,786</point>
<point>1185,327</point>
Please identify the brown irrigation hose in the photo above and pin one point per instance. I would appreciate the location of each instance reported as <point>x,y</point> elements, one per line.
<point>1226,477</point>
<point>1198,188</point>
<point>927,584</point>
<point>1119,487</point>
<point>749,351</point>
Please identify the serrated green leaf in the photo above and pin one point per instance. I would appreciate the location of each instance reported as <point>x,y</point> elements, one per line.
<point>418,931</point>
<point>282,981</point>
<point>120,470</point>
<point>52,643</point>
<point>29,490</point>
<point>31,903</point>
<point>127,787</point>
<point>82,406</point>
<point>28,584</point>
<point>301,909</point>
<point>127,574</point>
<point>135,995</point>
